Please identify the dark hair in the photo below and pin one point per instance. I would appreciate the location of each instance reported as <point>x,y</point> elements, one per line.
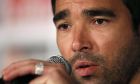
<point>132,5</point>
<point>53,5</point>
<point>134,8</point>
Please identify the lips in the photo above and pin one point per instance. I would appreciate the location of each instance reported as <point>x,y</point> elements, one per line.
<point>85,68</point>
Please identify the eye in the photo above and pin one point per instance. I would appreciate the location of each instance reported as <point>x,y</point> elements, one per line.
<point>100,21</point>
<point>64,26</point>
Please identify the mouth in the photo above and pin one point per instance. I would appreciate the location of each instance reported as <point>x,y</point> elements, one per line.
<point>85,68</point>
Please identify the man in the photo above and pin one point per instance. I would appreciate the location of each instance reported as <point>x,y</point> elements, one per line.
<point>99,38</point>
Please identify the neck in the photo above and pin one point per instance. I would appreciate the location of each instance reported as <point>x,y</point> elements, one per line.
<point>136,78</point>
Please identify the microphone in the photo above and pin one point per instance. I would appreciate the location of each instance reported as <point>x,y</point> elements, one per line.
<point>27,78</point>
<point>61,60</point>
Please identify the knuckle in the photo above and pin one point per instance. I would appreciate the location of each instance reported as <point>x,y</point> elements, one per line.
<point>54,68</point>
<point>31,61</point>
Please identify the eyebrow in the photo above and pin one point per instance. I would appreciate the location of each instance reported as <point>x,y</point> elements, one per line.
<point>87,12</point>
<point>61,15</point>
<point>98,12</point>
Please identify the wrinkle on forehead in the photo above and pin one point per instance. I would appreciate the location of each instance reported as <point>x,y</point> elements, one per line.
<point>71,3</point>
<point>83,1</point>
<point>75,7</point>
<point>66,4</point>
<point>63,4</point>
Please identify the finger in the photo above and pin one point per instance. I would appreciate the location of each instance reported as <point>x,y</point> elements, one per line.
<point>54,76</point>
<point>16,70</point>
<point>40,80</point>
<point>23,70</point>
<point>17,64</point>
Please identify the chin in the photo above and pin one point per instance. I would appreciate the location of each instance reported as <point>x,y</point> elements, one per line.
<point>93,81</point>
<point>89,80</point>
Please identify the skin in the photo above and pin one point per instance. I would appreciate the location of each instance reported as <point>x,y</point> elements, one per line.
<point>104,39</point>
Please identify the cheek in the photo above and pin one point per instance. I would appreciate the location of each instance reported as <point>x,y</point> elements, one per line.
<point>113,41</point>
<point>116,50</point>
<point>64,45</point>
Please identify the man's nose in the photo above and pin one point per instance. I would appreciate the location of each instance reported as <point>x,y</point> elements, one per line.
<point>81,40</point>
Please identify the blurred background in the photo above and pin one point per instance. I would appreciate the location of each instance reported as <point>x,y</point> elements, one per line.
<point>26,31</point>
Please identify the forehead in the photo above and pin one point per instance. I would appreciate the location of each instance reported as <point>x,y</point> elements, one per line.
<point>83,4</point>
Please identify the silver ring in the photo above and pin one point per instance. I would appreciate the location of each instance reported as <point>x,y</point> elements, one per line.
<point>39,68</point>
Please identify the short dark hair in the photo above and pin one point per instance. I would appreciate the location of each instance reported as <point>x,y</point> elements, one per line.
<point>132,5</point>
<point>53,5</point>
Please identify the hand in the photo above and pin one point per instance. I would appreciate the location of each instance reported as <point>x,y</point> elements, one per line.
<point>53,73</point>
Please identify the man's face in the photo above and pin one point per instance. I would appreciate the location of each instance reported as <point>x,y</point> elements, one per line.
<point>96,37</point>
